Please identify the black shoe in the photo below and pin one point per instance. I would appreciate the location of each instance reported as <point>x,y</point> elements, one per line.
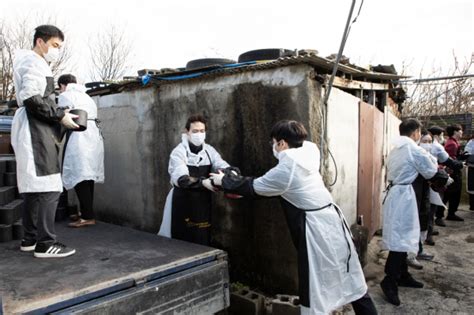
<point>454,217</point>
<point>430,241</point>
<point>435,233</point>
<point>425,256</point>
<point>54,250</point>
<point>27,245</point>
<point>440,222</point>
<point>409,282</point>
<point>390,289</point>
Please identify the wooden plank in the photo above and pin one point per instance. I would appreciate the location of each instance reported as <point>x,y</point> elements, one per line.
<point>358,85</point>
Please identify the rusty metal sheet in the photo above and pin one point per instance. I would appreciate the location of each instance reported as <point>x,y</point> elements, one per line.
<point>370,165</point>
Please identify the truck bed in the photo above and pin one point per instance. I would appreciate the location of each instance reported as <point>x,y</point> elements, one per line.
<point>115,270</point>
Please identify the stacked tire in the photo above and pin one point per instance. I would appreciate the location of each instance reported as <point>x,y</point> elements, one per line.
<point>11,205</point>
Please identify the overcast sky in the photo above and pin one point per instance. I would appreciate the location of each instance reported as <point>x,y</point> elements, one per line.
<point>170,33</point>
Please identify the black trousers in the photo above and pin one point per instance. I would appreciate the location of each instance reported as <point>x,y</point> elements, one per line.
<point>471,201</point>
<point>396,266</point>
<point>85,194</point>
<point>431,216</point>
<point>452,195</point>
<point>39,211</point>
<point>364,306</point>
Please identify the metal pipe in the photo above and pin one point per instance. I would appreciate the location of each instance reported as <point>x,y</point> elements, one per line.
<point>331,80</point>
<point>438,78</point>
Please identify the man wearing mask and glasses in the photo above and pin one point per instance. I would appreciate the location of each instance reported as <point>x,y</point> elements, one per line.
<point>37,132</point>
<point>187,213</point>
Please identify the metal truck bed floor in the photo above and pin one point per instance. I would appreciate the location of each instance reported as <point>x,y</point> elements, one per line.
<point>108,259</point>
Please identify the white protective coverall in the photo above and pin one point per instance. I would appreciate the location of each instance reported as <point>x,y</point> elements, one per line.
<point>470,168</point>
<point>31,75</point>
<point>181,160</point>
<point>401,226</point>
<point>333,274</point>
<point>84,154</point>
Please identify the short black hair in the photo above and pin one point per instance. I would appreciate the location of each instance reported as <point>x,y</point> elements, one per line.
<point>292,131</point>
<point>195,118</point>
<point>409,126</point>
<point>451,129</point>
<point>46,32</point>
<point>65,79</point>
<point>436,130</point>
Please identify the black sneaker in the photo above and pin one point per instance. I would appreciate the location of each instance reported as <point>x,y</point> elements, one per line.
<point>52,251</point>
<point>429,241</point>
<point>409,282</point>
<point>390,290</point>
<point>454,217</point>
<point>435,233</point>
<point>27,245</point>
<point>440,222</point>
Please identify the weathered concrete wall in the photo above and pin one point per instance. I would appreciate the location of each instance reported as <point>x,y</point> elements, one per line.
<point>343,140</point>
<point>142,127</point>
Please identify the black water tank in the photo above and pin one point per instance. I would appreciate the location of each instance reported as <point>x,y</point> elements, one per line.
<point>207,62</point>
<point>265,54</point>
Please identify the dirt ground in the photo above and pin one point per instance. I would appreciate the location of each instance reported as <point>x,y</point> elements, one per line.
<point>448,279</point>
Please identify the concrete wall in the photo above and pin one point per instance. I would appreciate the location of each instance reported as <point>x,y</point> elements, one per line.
<point>142,127</point>
<point>343,139</point>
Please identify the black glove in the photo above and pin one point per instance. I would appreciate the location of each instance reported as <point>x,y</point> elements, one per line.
<point>229,170</point>
<point>189,182</point>
<point>463,156</point>
<point>470,159</point>
<point>453,164</point>
<point>238,184</point>
<point>438,182</point>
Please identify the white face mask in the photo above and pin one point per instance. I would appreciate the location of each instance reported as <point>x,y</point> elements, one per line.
<point>426,146</point>
<point>52,55</point>
<point>197,138</point>
<point>276,154</point>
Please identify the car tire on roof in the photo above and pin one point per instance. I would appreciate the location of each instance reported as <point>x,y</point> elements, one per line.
<point>265,54</point>
<point>207,62</point>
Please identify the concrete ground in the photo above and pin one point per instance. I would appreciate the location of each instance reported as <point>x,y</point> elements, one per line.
<point>448,279</point>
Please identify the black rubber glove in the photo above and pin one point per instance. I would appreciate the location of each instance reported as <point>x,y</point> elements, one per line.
<point>453,164</point>
<point>189,182</point>
<point>439,180</point>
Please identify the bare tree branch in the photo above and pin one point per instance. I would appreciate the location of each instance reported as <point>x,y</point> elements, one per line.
<point>442,97</point>
<point>110,52</point>
<point>17,34</point>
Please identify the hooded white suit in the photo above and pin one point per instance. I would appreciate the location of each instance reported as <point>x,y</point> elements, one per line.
<point>84,153</point>
<point>330,274</point>
<point>401,226</point>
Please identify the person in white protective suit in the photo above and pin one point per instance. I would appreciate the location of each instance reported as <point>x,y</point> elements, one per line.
<point>439,152</point>
<point>329,271</point>
<point>83,162</point>
<point>37,133</point>
<point>401,226</point>
<point>187,213</point>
